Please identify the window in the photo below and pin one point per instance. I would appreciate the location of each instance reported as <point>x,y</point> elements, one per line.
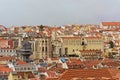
<point>24,68</point>
<point>43,42</point>
<point>42,49</point>
<point>45,49</point>
<point>73,50</point>
<point>28,68</point>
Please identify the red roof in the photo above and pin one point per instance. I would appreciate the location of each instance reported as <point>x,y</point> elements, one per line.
<point>98,74</point>
<point>72,37</point>
<point>112,64</point>
<point>52,79</point>
<point>10,43</point>
<point>89,64</point>
<point>89,51</point>
<point>34,79</point>
<point>6,44</point>
<point>5,69</point>
<point>6,58</point>
<point>42,69</point>
<point>107,60</point>
<point>74,62</point>
<point>51,74</point>
<point>111,23</point>
<point>23,74</point>
<point>20,62</point>
<point>58,70</point>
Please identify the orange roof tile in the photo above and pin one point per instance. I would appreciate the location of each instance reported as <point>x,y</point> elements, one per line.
<point>112,64</point>
<point>58,70</point>
<point>89,64</point>
<point>21,62</point>
<point>5,69</point>
<point>111,23</point>
<point>41,69</point>
<point>51,74</point>
<point>52,79</point>
<point>86,73</point>
<point>107,60</point>
<point>92,37</point>
<point>73,37</point>
<point>4,58</point>
<point>33,79</point>
<point>29,73</point>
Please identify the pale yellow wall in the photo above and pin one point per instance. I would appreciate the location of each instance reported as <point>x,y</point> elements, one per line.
<point>95,44</point>
<point>75,43</point>
<point>71,47</point>
<point>72,44</point>
<point>3,62</point>
<point>10,77</point>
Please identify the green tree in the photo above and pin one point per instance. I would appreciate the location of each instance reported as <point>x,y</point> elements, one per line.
<point>111,44</point>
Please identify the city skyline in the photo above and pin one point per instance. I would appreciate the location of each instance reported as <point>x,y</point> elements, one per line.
<point>47,12</point>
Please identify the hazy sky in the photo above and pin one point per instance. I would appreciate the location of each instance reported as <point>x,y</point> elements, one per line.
<point>58,12</point>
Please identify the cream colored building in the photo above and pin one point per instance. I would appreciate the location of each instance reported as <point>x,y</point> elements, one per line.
<point>72,44</point>
<point>42,48</point>
<point>13,76</point>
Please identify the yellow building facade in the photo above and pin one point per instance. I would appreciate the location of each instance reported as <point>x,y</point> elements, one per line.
<point>13,76</point>
<point>73,44</point>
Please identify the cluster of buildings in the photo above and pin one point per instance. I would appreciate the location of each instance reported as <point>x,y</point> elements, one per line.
<point>70,52</point>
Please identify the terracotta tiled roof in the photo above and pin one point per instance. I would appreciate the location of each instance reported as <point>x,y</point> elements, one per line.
<point>89,64</point>
<point>106,60</point>
<point>3,43</point>
<point>73,37</point>
<point>21,62</point>
<point>90,52</point>
<point>92,37</point>
<point>94,50</point>
<point>113,72</point>
<point>111,30</point>
<point>98,74</point>
<point>52,79</point>
<point>112,64</point>
<point>34,79</point>
<point>74,60</point>
<point>78,37</point>
<point>10,43</point>
<point>51,74</point>
<point>54,58</point>
<point>5,69</point>
<point>1,38</point>
<point>6,44</point>
<point>111,23</point>
<point>75,63</point>
<point>57,70</point>
<point>3,65</point>
<point>23,74</point>
<point>6,58</point>
<point>42,69</point>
